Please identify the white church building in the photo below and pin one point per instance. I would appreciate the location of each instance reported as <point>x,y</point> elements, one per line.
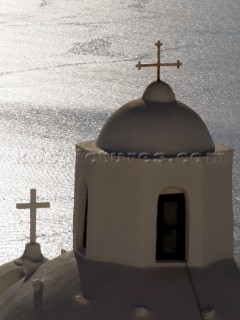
<point>152,224</point>
<point>153,187</point>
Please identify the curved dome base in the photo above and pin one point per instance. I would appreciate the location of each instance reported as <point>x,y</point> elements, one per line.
<point>167,129</point>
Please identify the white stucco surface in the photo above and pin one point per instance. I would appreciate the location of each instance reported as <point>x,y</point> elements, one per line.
<point>156,123</point>
<point>10,273</point>
<point>113,292</point>
<point>159,91</point>
<point>75,288</point>
<point>122,205</point>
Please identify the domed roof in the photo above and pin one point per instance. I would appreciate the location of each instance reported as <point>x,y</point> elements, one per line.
<point>156,123</point>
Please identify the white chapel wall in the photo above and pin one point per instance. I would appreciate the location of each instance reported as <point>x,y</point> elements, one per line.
<point>123,201</point>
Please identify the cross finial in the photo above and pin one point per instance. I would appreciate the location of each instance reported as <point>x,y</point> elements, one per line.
<point>158,44</point>
<point>33,205</point>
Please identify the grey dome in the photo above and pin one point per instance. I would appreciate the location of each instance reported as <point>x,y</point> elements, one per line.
<point>156,123</point>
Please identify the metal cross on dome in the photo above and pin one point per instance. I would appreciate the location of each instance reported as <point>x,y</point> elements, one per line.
<point>158,44</point>
<point>33,206</point>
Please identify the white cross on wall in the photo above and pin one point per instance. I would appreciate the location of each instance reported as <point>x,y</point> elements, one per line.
<point>33,206</point>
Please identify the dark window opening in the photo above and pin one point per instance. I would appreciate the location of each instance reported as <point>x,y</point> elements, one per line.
<point>85,223</point>
<point>171,227</point>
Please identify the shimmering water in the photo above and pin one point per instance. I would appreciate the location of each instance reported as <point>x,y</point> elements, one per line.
<point>65,65</point>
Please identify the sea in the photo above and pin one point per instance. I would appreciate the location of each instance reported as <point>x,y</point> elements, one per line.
<point>66,65</point>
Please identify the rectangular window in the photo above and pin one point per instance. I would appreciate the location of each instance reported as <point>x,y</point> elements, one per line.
<point>171,227</point>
